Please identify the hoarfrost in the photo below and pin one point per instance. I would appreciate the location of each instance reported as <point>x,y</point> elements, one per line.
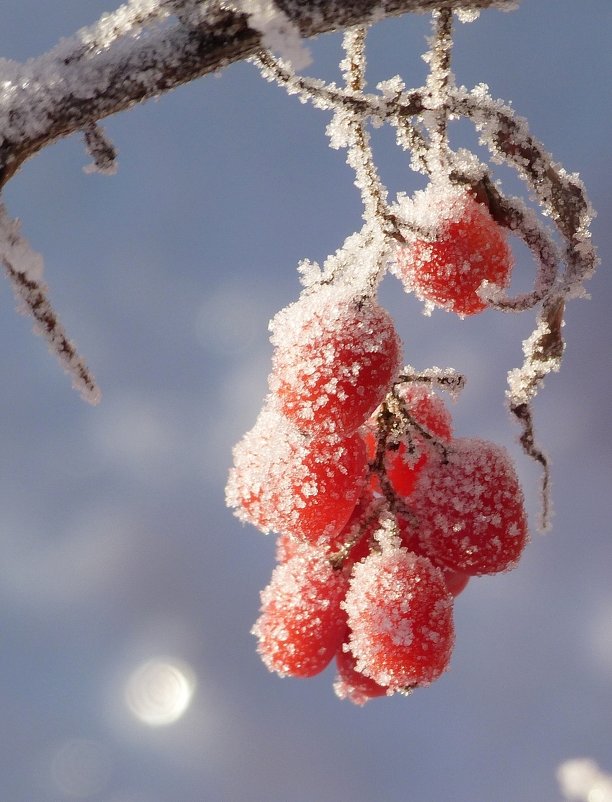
<point>24,269</point>
<point>16,250</point>
<point>467,14</point>
<point>278,32</point>
<point>392,88</point>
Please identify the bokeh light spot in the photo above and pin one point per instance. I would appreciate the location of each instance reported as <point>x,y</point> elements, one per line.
<point>80,768</point>
<point>159,691</point>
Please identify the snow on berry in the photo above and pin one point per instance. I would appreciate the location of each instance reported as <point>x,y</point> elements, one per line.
<point>302,624</point>
<point>284,481</point>
<point>404,459</point>
<point>286,548</point>
<point>470,510</point>
<point>351,684</point>
<point>464,248</point>
<point>336,355</point>
<point>400,615</point>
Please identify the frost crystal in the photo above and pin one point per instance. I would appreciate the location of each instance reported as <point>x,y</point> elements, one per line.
<point>467,14</point>
<point>24,269</point>
<point>16,251</point>
<point>277,31</point>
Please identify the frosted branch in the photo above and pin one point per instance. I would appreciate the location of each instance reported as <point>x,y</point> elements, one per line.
<point>561,194</point>
<point>444,378</point>
<point>142,50</point>
<point>514,215</point>
<point>23,266</point>
<point>101,150</point>
<point>348,130</point>
<point>440,77</point>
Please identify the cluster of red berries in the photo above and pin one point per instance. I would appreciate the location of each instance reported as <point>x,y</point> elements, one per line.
<point>382,515</point>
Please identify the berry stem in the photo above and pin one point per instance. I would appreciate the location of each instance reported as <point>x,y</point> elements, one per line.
<point>359,155</point>
<point>440,79</point>
<point>406,422</point>
<point>448,379</point>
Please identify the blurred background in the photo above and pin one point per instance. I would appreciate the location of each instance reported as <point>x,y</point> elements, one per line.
<point>127,589</point>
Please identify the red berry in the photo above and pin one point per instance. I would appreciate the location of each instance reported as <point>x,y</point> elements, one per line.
<point>286,548</point>
<point>404,460</point>
<point>351,684</point>
<point>283,481</point>
<point>335,358</point>
<point>467,247</point>
<point>401,619</point>
<point>359,528</point>
<point>301,624</point>
<point>470,510</point>
<point>455,581</point>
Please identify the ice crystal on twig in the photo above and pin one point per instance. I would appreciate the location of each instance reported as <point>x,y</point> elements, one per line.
<point>278,33</point>
<point>23,267</point>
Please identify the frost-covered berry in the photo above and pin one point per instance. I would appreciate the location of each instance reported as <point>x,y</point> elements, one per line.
<point>401,619</point>
<point>351,684</point>
<point>465,248</point>
<point>286,548</point>
<point>470,510</point>
<point>352,542</point>
<point>359,529</point>
<point>283,481</point>
<point>334,360</point>
<point>405,459</point>
<point>302,624</point>
<point>456,581</point>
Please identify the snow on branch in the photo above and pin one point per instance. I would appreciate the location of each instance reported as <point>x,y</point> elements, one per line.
<point>24,269</point>
<point>145,48</point>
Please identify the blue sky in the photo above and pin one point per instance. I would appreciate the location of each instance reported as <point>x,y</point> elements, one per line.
<point>116,545</point>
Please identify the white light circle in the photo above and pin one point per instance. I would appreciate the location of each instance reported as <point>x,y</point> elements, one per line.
<point>159,691</point>
<point>80,768</point>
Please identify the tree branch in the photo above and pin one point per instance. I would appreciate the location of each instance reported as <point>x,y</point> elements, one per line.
<point>145,49</point>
